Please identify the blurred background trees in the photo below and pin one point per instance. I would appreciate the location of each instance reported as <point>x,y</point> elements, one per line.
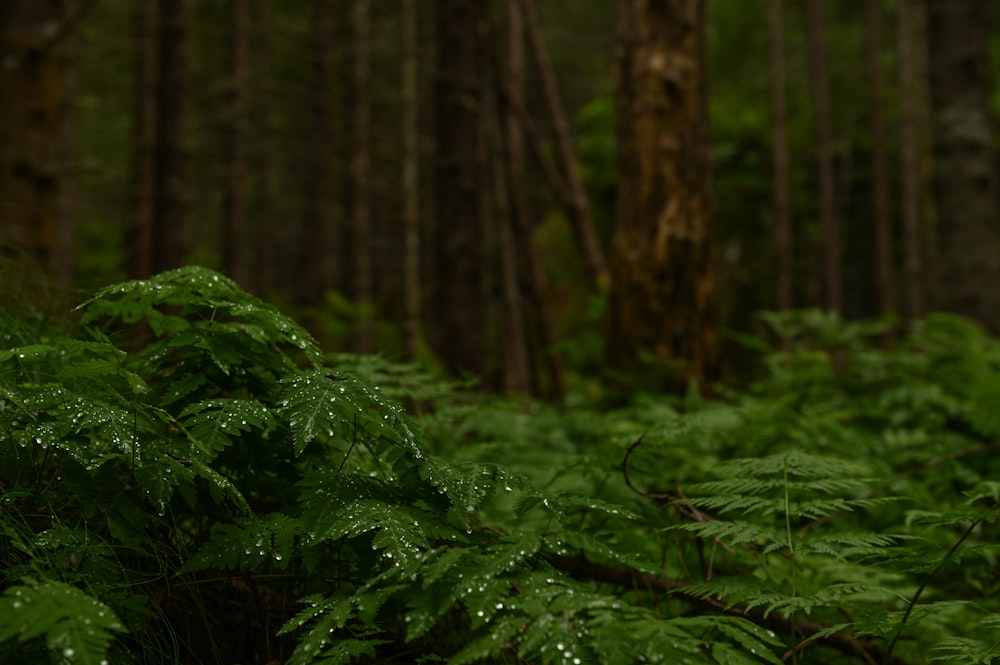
<point>481,182</point>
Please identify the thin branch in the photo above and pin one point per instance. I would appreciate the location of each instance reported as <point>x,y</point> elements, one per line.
<point>580,568</point>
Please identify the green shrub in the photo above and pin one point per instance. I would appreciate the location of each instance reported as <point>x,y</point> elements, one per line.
<point>186,479</point>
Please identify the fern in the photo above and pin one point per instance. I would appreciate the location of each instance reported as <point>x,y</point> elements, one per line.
<point>51,610</point>
<point>189,461</point>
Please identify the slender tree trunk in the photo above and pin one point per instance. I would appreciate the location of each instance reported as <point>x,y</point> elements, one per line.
<point>824,157</point>
<point>237,238</point>
<point>456,316</point>
<point>361,171</point>
<point>965,178</point>
<point>662,278</point>
<point>533,296</point>
<point>910,161</point>
<point>316,229</point>
<point>33,114</point>
<point>884,264</point>
<point>65,254</point>
<point>170,232</point>
<point>144,137</point>
<point>509,168</point>
<point>783,238</point>
<point>579,204</point>
<point>264,189</point>
<point>411,177</point>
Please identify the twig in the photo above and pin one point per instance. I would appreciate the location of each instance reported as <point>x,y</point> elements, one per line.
<point>581,568</point>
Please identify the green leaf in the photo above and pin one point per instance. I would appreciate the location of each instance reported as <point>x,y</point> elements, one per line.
<point>76,626</point>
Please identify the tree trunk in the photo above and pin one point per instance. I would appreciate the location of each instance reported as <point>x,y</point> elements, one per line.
<point>170,234</point>
<point>316,231</point>
<point>411,178</point>
<point>509,158</point>
<point>361,171</point>
<point>236,241</point>
<point>783,238</point>
<point>578,202</point>
<point>265,250</point>
<point>911,95</point>
<point>965,180</point>
<point>882,221</point>
<point>33,122</point>
<point>662,279</point>
<point>540,340</point>
<point>824,158</point>
<point>144,123</point>
<point>456,316</point>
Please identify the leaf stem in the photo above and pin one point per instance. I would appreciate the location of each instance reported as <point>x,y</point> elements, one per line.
<point>923,585</point>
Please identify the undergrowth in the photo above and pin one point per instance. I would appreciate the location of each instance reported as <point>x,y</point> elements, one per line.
<point>187,478</point>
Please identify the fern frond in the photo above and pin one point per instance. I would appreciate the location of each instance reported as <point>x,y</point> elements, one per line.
<point>735,531</point>
<point>192,291</point>
<point>212,424</point>
<point>397,530</point>
<point>324,641</point>
<point>249,542</point>
<point>983,649</point>
<point>321,405</point>
<point>76,626</point>
<point>884,623</point>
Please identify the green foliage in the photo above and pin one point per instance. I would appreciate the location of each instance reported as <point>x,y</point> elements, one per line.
<point>186,479</point>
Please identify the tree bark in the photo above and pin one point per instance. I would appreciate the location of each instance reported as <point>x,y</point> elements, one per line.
<point>236,240</point>
<point>316,229</point>
<point>361,172</point>
<point>264,192</point>
<point>662,277</point>
<point>144,123</point>
<point>579,204</point>
<point>457,299</point>
<point>33,122</point>
<point>965,179</point>
<point>509,157</point>
<point>911,94</point>
<point>541,342</point>
<point>832,282</point>
<point>171,197</point>
<point>411,178</point>
<point>881,216</point>
<point>783,237</point>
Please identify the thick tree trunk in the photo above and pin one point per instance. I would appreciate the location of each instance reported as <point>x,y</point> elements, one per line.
<point>662,279</point>
<point>781,166</point>
<point>965,178</point>
<point>33,122</point>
